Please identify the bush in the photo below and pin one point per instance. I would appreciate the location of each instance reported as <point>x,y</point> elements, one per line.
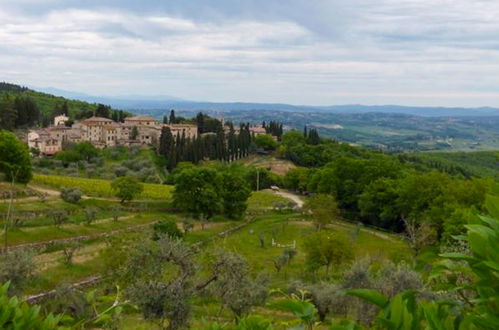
<point>71,195</point>
<point>166,228</point>
<point>120,171</point>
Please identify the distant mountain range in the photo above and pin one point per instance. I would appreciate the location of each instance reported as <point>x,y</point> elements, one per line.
<point>165,102</point>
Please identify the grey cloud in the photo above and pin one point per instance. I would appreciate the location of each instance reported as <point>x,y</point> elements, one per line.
<point>318,52</point>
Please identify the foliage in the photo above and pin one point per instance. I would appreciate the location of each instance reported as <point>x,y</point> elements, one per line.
<point>126,188</point>
<point>68,252</point>
<point>71,195</point>
<point>14,158</point>
<point>284,259</point>
<point>59,217</point>
<point>236,192</point>
<point>406,311</point>
<point>166,228</point>
<point>19,315</point>
<point>301,308</point>
<point>90,215</point>
<point>234,286</point>
<point>323,209</point>
<point>266,141</point>
<point>327,249</point>
<point>198,191</point>
<point>206,191</point>
<point>16,267</point>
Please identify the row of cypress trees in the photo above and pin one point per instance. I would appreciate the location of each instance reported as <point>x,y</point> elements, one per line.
<point>213,143</point>
<point>273,128</point>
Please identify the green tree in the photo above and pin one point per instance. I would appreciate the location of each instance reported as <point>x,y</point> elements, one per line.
<point>323,209</point>
<point>236,192</point>
<point>199,191</point>
<point>8,113</point>
<point>327,249</point>
<point>16,165</point>
<point>87,150</point>
<point>126,188</point>
<point>14,158</point>
<point>266,141</point>
<point>166,227</point>
<point>172,117</point>
<point>71,195</point>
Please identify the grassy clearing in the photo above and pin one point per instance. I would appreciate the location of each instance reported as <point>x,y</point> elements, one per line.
<point>264,199</point>
<point>287,229</point>
<point>100,188</point>
<point>273,164</point>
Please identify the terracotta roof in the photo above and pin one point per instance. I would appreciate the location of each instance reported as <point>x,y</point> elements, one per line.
<point>95,119</point>
<point>257,129</point>
<point>140,118</point>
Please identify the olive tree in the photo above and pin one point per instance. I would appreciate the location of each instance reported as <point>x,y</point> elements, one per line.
<point>16,266</point>
<point>234,286</point>
<point>71,195</point>
<point>59,217</point>
<point>163,276</point>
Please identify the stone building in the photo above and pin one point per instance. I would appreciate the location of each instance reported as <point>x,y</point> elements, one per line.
<point>103,132</point>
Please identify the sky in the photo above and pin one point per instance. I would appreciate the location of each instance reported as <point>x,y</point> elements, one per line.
<point>314,52</point>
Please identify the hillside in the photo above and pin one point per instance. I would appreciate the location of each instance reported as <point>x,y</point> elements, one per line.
<point>43,106</point>
<point>103,236</point>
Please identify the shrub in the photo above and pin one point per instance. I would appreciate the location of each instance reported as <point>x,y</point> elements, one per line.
<point>166,228</point>
<point>71,195</point>
<point>120,171</point>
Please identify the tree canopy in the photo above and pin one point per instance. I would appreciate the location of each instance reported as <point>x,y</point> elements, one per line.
<point>15,162</point>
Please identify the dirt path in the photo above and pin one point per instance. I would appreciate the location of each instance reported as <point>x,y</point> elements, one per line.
<point>295,198</point>
<point>49,192</point>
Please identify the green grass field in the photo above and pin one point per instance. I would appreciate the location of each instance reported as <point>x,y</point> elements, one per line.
<point>100,188</point>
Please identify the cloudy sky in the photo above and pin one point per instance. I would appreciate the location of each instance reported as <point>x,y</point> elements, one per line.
<point>410,52</point>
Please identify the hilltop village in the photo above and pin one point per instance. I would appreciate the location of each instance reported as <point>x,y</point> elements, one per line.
<point>103,132</point>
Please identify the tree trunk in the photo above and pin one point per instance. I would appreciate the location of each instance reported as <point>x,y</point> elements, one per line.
<point>9,211</point>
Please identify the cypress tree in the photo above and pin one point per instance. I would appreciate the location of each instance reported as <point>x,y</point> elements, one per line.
<point>165,142</point>
<point>172,116</point>
<point>8,114</point>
